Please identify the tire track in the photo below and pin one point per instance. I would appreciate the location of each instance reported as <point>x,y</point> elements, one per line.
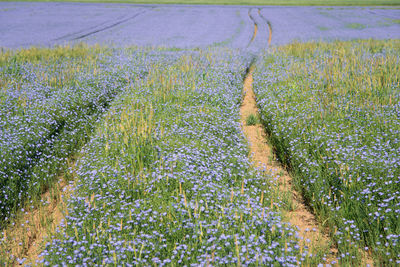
<point>313,236</point>
<point>70,36</point>
<point>41,221</point>
<point>99,28</point>
<point>299,216</point>
<point>111,26</point>
<point>268,24</point>
<point>255,28</point>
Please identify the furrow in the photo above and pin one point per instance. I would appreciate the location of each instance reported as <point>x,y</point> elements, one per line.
<point>255,28</point>
<point>269,33</point>
<point>263,157</point>
<point>108,26</point>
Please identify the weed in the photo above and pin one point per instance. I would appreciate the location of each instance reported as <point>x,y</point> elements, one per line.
<point>322,28</point>
<point>252,119</point>
<point>356,26</point>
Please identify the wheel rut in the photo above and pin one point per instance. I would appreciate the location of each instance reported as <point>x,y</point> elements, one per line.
<point>109,26</point>
<point>99,28</point>
<point>261,25</point>
<point>269,33</point>
<point>26,239</point>
<point>262,156</point>
<point>255,28</point>
<point>312,234</point>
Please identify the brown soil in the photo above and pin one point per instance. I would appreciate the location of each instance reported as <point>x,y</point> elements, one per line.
<point>26,239</point>
<point>263,157</point>
<point>269,26</point>
<point>54,215</point>
<point>254,33</point>
<point>255,28</point>
<point>269,33</point>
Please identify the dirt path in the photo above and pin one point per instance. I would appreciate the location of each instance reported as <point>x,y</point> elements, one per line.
<point>54,214</point>
<point>263,156</point>
<point>255,28</point>
<point>27,237</point>
<point>269,25</point>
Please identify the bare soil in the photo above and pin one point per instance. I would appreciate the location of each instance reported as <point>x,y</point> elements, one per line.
<point>31,230</point>
<point>263,157</point>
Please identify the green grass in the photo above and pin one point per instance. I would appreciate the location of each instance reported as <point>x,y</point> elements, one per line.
<point>356,26</point>
<point>253,2</point>
<point>322,28</point>
<point>51,99</point>
<point>332,111</point>
<point>166,172</point>
<point>252,119</point>
<point>49,102</point>
<point>168,141</point>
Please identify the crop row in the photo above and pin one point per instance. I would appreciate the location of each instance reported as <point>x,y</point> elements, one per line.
<point>333,112</point>
<point>166,180</point>
<point>50,101</point>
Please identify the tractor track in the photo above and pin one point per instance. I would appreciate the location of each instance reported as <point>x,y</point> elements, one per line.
<point>262,156</point>
<point>300,217</point>
<point>258,26</point>
<point>269,25</point>
<point>312,234</point>
<point>255,28</point>
<point>100,27</point>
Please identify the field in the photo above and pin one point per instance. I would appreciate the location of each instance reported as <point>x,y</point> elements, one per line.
<point>125,139</point>
<point>249,2</point>
<point>47,24</point>
<point>333,115</point>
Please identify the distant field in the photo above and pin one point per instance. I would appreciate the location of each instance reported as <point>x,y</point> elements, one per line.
<point>25,24</point>
<point>249,2</point>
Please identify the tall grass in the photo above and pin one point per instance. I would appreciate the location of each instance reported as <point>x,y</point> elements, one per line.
<point>166,179</point>
<point>333,114</point>
<point>50,100</point>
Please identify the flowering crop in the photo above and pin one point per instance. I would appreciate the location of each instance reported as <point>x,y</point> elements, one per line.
<point>166,180</point>
<point>50,101</point>
<point>333,114</point>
